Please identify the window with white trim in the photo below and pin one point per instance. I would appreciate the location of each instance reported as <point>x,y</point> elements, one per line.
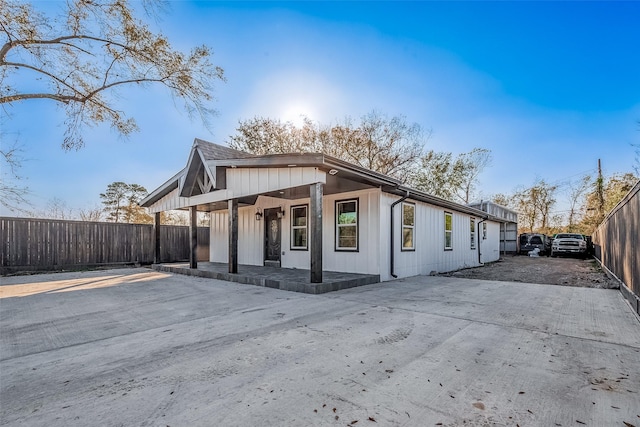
<point>484,231</point>
<point>448,231</point>
<point>472,229</point>
<point>347,225</point>
<point>299,221</point>
<point>408,226</point>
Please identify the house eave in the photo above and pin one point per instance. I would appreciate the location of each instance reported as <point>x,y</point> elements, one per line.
<point>164,189</point>
<point>321,161</point>
<point>443,203</point>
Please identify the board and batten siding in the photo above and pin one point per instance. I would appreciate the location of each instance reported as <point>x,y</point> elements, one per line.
<point>429,254</point>
<point>169,202</point>
<point>251,181</point>
<point>242,182</point>
<point>373,255</point>
<point>367,259</point>
<point>251,234</point>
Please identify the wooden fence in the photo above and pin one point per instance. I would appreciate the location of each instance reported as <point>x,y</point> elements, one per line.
<point>45,244</point>
<point>617,245</point>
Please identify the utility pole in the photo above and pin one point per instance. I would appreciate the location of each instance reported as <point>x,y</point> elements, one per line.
<point>600,192</point>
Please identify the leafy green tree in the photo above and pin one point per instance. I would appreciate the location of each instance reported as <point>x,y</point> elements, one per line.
<point>114,200</point>
<point>133,212</point>
<point>121,203</point>
<point>81,58</point>
<point>615,188</point>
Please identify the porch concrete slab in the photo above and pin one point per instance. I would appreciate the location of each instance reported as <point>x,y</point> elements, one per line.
<point>286,279</point>
<point>142,347</point>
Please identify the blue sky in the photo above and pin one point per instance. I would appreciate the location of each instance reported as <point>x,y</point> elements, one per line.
<point>548,87</point>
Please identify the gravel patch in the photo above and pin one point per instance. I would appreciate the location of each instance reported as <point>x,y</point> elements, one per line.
<point>542,270</point>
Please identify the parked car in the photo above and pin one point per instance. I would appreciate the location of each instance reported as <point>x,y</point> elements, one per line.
<point>530,241</point>
<point>569,244</point>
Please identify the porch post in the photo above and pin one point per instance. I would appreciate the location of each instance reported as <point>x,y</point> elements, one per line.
<point>193,228</point>
<point>315,231</point>
<point>233,236</point>
<point>156,237</point>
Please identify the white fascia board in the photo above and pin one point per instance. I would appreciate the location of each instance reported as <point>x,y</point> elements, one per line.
<point>308,176</point>
<point>176,180</point>
<point>212,197</point>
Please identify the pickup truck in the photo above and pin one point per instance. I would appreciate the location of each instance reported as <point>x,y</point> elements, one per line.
<point>569,244</point>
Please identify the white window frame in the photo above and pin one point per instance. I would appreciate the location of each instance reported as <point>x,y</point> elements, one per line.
<point>299,227</point>
<point>408,227</point>
<point>448,232</point>
<point>472,230</point>
<point>340,226</point>
<point>484,230</point>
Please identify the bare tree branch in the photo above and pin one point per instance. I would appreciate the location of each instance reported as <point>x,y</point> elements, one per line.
<point>88,52</point>
<point>387,145</point>
<point>13,192</point>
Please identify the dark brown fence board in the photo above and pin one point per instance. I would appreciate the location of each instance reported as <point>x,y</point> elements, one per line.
<point>43,244</point>
<point>617,242</point>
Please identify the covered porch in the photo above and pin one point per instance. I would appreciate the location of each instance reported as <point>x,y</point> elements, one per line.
<point>243,193</point>
<point>288,279</point>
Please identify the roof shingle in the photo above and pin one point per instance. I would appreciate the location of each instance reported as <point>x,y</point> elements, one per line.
<point>212,151</point>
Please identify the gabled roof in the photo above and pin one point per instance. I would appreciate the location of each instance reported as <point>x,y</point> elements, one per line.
<point>217,155</point>
<point>211,151</point>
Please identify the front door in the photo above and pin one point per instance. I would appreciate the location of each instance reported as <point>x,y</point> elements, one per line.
<point>272,237</point>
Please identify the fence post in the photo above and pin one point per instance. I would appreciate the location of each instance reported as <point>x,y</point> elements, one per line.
<point>156,237</point>
<point>193,228</point>
<point>233,235</point>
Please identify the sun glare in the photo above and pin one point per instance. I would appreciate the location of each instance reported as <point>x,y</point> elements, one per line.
<point>296,114</point>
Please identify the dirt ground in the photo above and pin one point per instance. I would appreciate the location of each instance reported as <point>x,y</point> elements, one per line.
<point>543,270</point>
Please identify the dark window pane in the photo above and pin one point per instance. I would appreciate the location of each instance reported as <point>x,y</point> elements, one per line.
<point>448,222</point>
<point>347,213</point>
<point>407,238</point>
<point>300,216</point>
<point>300,237</point>
<point>408,214</point>
<point>347,237</point>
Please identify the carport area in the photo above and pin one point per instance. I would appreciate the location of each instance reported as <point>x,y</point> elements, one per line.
<point>142,347</point>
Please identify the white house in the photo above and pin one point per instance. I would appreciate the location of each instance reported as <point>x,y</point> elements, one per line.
<point>319,213</point>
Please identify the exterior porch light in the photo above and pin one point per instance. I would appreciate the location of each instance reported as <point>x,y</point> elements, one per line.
<point>333,172</point>
<point>258,214</point>
<point>281,213</point>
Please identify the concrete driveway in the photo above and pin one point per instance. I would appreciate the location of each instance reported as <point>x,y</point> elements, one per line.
<point>134,347</point>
